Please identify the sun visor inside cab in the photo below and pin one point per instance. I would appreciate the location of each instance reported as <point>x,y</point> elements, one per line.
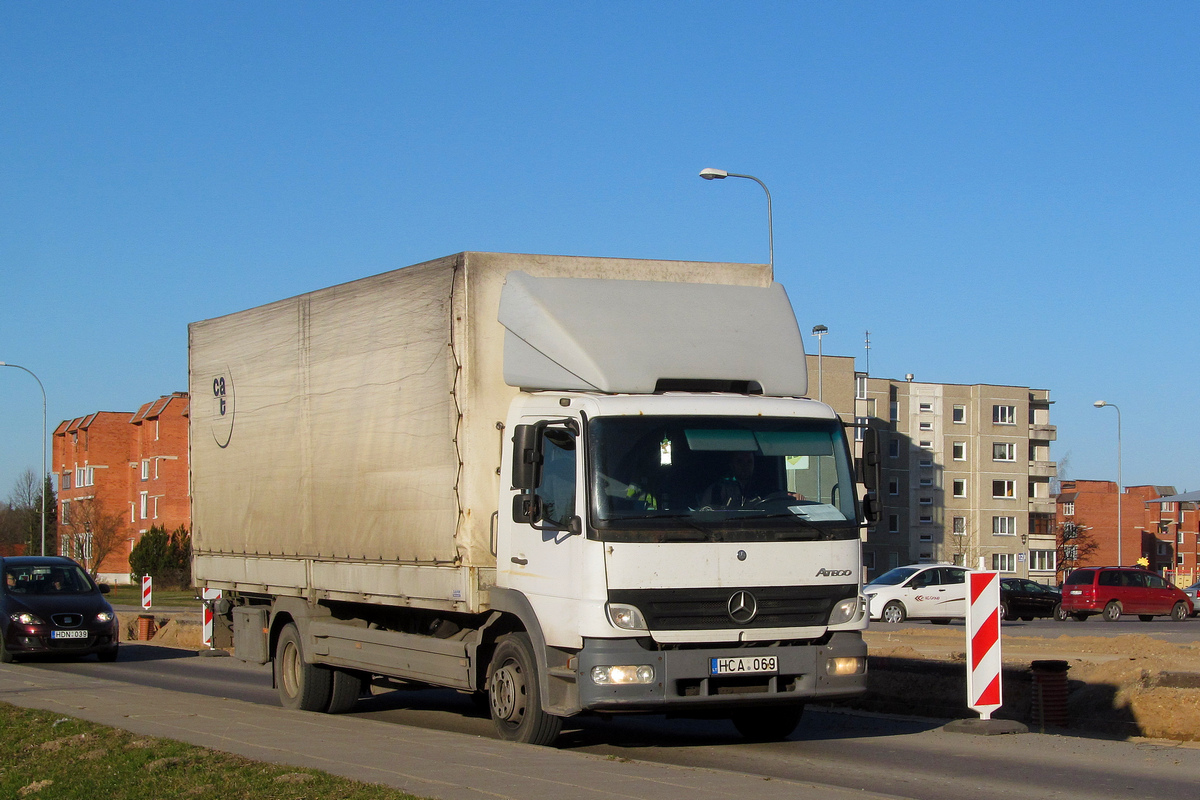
<point>631,336</point>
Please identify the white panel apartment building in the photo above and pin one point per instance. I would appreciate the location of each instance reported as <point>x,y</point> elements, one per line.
<point>966,476</point>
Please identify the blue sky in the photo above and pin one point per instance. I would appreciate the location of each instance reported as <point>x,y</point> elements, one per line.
<point>1001,193</point>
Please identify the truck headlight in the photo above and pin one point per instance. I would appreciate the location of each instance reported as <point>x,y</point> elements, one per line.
<point>845,611</point>
<point>626,617</point>
<point>845,665</point>
<point>607,676</point>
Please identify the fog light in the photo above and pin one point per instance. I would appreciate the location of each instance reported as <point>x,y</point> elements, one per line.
<point>845,665</point>
<point>845,611</point>
<point>626,617</point>
<point>608,676</point>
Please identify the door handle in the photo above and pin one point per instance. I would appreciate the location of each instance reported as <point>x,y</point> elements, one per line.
<point>519,561</point>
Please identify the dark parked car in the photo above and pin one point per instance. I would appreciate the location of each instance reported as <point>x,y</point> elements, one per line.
<point>1113,591</point>
<point>49,604</point>
<point>1021,598</point>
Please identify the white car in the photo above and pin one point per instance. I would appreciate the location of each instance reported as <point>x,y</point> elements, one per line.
<point>936,592</point>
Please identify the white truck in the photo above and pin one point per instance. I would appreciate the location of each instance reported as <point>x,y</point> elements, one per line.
<point>565,485</point>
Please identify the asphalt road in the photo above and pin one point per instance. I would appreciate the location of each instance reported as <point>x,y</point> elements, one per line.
<point>898,756</point>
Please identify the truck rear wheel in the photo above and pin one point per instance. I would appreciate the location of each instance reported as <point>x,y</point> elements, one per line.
<point>514,699</point>
<point>768,724</point>
<point>301,686</point>
<point>344,692</point>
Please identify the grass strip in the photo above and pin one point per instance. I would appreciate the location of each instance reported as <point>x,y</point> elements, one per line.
<point>131,595</point>
<point>46,756</point>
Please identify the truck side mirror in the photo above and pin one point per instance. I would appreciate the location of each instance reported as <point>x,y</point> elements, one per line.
<point>872,508</point>
<point>527,457</point>
<point>527,509</point>
<point>870,468</point>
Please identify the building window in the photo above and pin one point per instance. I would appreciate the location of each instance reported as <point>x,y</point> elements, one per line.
<point>925,426</point>
<point>1167,508</point>
<point>860,427</point>
<point>927,444</point>
<point>1004,451</point>
<point>65,517</point>
<point>893,523</point>
<point>1179,537</point>
<point>925,501</point>
<point>959,526</point>
<point>1070,552</point>
<point>1004,488</point>
<point>1004,526</point>
<point>960,487</point>
<point>1004,415</point>
<point>893,448</point>
<point>860,387</point>
<point>1042,561</point>
<point>926,462</point>
<point>89,474</point>
<point>868,560</point>
<point>64,482</point>
<point>959,450</point>
<point>1179,560</point>
<point>1069,508</point>
<point>893,411</point>
<point>79,476</point>
<point>145,504</point>
<point>959,414</point>
<point>927,481</point>
<point>926,407</point>
<point>145,469</point>
<point>926,537</point>
<point>1004,562</point>
<point>893,486</point>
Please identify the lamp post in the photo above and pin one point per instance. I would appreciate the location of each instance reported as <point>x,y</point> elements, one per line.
<point>710,174</point>
<point>42,479</point>
<point>819,331</point>
<point>1102,404</point>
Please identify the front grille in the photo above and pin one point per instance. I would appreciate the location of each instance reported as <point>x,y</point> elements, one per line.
<point>708,609</point>
<point>67,620</point>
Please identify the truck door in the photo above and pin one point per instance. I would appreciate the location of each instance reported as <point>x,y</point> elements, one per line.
<point>542,555</point>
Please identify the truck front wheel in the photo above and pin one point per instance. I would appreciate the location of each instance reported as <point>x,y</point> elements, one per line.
<point>514,700</point>
<point>768,724</point>
<point>302,686</point>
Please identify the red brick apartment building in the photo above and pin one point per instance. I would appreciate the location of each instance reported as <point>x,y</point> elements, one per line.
<point>129,467</point>
<point>1166,535</point>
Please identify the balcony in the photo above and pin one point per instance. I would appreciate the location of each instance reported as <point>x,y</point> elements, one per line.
<point>1045,433</point>
<point>1041,505</point>
<point>1043,469</point>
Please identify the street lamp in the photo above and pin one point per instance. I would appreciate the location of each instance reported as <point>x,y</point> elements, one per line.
<point>1102,404</point>
<point>819,331</point>
<point>42,479</point>
<point>710,174</point>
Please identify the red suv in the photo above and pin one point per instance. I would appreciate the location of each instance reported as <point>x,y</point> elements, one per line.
<point>1113,591</point>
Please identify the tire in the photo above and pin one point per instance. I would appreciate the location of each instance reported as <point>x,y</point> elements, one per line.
<point>768,724</point>
<point>941,621</point>
<point>1059,614</point>
<point>1179,612</point>
<point>1005,612</point>
<point>1079,616</point>
<point>513,696</point>
<point>344,692</point>
<point>893,613</point>
<point>1146,617</point>
<point>301,686</point>
<point>108,655</point>
<point>1027,619</point>
<point>1112,611</point>
<point>5,656</point>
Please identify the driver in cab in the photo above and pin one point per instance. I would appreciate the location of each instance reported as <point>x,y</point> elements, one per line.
<point>732,490</point>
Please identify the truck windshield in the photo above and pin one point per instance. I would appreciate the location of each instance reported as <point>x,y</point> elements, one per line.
<point>728,479</point>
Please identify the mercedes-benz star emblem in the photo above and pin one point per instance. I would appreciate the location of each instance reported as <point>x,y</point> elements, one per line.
<point>742,607</point>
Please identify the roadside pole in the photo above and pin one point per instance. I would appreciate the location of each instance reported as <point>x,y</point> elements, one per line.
<point>985,686</point>
<point>146,592</point>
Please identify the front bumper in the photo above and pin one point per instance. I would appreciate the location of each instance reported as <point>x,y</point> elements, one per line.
<point>683,680</point>
<point>28,640</point>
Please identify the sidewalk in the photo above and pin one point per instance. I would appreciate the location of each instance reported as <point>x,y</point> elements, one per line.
<point>423,762</point>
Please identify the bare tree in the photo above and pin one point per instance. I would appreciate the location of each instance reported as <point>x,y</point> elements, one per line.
<point>962,542</point>
<point>1075,544</point>
<point>23,520</point>
<point>95,534</point>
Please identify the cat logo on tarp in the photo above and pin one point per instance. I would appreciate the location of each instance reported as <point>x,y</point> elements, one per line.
<point>222,408</point>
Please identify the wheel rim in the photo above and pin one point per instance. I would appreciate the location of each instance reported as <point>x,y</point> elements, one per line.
<point>891,614</point>
<point>508,693</point>
<point>290,669</point>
